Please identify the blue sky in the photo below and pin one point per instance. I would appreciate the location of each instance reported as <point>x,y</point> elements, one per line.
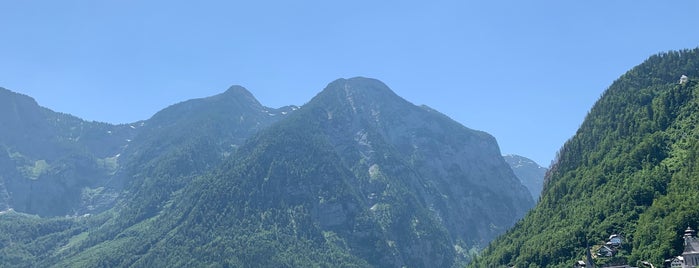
<point>525,71</point>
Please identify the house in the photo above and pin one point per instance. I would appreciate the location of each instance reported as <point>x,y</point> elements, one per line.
<point>688,259</point>
<point>606,251</point>
<point>675,262</point>
<point>615,240</point>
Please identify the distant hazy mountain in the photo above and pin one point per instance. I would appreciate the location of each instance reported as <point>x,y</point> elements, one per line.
<point>55,164</point>
<point>529,173</point>
<point>357,177</point>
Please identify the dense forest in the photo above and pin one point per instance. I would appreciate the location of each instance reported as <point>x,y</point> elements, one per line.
<point>631,169</point>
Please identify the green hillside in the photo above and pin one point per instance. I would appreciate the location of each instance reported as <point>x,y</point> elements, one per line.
<point>631,169</point>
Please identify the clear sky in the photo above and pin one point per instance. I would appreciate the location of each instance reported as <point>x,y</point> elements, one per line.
<point>527,72</point>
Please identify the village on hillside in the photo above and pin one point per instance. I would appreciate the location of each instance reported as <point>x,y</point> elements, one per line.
<point>606,255</point>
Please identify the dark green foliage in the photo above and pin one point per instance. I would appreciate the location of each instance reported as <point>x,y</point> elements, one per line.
<point>29,241</point>
<point>630,169</point>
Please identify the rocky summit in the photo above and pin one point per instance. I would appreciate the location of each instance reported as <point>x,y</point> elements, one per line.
<point>528,172</point>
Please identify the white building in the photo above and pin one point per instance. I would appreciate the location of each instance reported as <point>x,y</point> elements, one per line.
<point>683,79</point>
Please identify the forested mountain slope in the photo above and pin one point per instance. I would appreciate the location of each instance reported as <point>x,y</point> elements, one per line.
<point>158,157</point>
<point>185,140</point>
<point>631,169</point>
<point>356,177</point>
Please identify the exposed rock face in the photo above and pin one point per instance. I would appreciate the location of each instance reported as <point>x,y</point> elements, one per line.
<point>455,172</point>
<point>528,172</point>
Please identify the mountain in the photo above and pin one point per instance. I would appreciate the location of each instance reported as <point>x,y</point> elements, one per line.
<point>226,120</point>
<point>529,173</point>
<point>158,159</point>
<point>629,170</point>
<point>186,140</point>
<point>357,177</point>
<point>54,164</point>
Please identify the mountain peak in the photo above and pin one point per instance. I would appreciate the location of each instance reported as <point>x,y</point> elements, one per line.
<point>236,96</point>
<point>359,95</point>
<point>17,108</point>
<point>237,90</point>
<point>360,85</point>
<point>360,80</point>
<point>7,95</point>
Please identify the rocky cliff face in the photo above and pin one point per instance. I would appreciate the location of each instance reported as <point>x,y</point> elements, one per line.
<point>529,173</point>
<point>454,171</point>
